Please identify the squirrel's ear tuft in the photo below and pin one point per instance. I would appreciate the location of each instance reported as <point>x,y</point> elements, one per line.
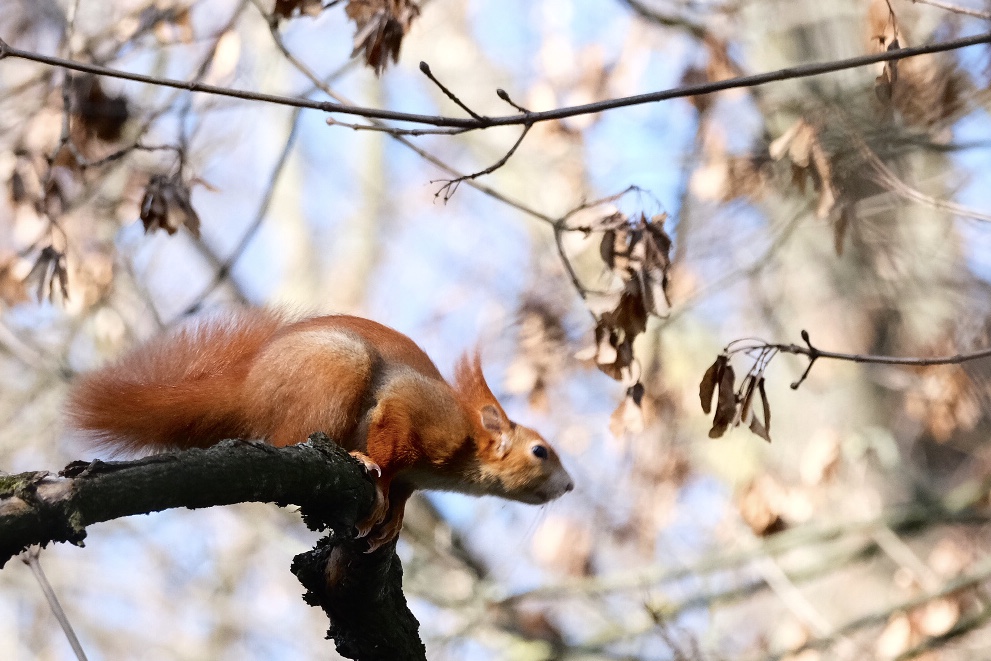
<point>474,392</point>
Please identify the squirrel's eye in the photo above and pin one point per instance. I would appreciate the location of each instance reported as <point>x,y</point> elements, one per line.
<point>539,451</point>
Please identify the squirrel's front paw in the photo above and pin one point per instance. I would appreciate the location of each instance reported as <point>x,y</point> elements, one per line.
<point>379,511</point>
<point>381,507</point>
<point>386,532</point>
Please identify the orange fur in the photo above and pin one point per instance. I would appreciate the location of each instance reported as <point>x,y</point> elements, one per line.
<point>252,374</point>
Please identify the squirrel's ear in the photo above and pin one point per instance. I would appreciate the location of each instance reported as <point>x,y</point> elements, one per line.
<point>492,419</point>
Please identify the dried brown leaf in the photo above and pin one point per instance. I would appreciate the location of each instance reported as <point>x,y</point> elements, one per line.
<point>611,221</point>
<point>540,355</point>
<point>932,90</point>
<point>766,405</point>
<point>757,428</point>
<point>637,253</point>
<point>760,507</point>
<point>628,418</point>
<point>51,273</point>
<point>882,25</point>
<point>712,377</point>
<point>166,206</point>
<point>809,160</point>
<point>100,115</point>
<point>697,76</point>
<point>381,26</point>
<point>287,8</point>
<point>840,228</point>
<point>719,66</point>
<point>725,403</point>
<point>607,248</point>
<point>12,288</point>
<point>173,24</point>
<point>883,88</point>
<point>748,388</point>
<point>944,399</point>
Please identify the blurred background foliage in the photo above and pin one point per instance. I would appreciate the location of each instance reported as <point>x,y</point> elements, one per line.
<point>852,205</point>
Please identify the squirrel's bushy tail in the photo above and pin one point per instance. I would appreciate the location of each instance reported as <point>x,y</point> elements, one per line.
<point>181,390</point>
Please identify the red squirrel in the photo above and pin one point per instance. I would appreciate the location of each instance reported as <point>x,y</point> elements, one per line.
<point>253,374</point>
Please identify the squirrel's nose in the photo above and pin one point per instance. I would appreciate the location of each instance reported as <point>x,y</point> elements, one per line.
<point>569,486</point>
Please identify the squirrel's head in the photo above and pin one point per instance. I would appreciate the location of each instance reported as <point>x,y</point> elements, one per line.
<point>515,461</point>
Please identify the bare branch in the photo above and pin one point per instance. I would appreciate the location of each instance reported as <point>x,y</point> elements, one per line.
<point>803,71</point>
<point>330,487</point>
<point>814,354</point>
<point>224,266</point>
<point>38,508</point>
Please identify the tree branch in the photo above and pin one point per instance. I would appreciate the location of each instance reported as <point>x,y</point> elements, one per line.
<point>472,123</point>
<point>751,346</point>
<point>360,592</point>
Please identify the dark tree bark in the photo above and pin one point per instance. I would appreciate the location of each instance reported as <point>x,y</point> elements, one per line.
<point>361,593</point>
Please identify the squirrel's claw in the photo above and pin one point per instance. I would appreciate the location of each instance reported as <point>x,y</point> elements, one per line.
<point>381,508</point>
<point>386,532</point>
<point>379,511</point>
<point>366,461</point>
<point>378,514</point>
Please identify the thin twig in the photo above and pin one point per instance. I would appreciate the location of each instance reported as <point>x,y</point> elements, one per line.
<point>558,241</point>
<point>450,187</point>
<point>562,222</point>
<point>956,9</point>
<point>814,353</point>
<point>30,558</point>
<point>653,15</point>
<point>802,71</point>
<point>886,177</point>
<point>225,266</point>
<point>875,359</point>
<point>205,64</point>
<point>900,552</point>
<point>502,94</point>
<point>392,130</point>
<point>124,151</point>
<point>791,596</point>
<point>425,68</point>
